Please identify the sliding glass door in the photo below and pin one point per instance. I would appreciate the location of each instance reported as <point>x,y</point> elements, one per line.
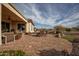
<point>21,27</point>
<point>5,27</point>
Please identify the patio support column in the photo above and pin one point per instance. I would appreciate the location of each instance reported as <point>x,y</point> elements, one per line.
<point>0,26</point>
<point>26,27</point>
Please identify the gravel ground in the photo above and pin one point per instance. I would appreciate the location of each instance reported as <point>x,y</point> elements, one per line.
<point>33,45</point>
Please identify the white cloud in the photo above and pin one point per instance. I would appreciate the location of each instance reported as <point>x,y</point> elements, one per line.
<point>52,15</point>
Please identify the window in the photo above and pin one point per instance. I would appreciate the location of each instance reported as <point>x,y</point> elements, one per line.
<point>21,27</point>
<point>5,27</point>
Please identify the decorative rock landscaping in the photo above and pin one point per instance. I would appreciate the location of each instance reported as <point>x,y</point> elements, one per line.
<point>34,45</point>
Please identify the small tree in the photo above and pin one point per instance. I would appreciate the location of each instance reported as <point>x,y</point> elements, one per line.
<point>59,30</point>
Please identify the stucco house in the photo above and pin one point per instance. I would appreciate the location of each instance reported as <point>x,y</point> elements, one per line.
<point>30,26</point>
<point>11,22</point>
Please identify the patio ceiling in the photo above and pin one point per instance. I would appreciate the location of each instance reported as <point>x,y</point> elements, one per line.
<point>10,15</point>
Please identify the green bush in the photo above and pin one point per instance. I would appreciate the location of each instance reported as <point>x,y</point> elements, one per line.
<point>69,37</point>
<point>12,53</point>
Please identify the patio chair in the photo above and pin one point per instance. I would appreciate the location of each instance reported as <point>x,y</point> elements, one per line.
<point>4,39</point>
<point>18,36</point>
<point>8,37</point>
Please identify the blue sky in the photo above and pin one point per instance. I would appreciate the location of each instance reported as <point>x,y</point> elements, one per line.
<point>49,15</point>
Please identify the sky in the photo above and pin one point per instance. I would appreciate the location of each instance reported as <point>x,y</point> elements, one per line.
<point>49,15</point>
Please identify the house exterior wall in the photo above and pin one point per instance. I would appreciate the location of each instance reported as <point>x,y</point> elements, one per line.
<point>29,27</point>
<point>26,26</point>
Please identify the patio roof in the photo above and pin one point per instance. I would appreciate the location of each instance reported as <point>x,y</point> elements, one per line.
<point>11,8</point>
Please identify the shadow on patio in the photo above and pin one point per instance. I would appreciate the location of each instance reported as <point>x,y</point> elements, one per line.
<point>53,52</point>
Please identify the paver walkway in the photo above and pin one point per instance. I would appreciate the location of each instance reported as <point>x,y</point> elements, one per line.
<point>31,44</point>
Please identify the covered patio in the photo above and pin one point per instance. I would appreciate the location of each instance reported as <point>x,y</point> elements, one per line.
<point>12,24</point>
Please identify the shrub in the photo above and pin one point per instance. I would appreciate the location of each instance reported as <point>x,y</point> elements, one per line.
<point>69,37</point>
<point>12,53</point>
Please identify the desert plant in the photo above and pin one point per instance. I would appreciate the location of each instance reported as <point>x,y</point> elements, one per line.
<point>70,38</point>
<point>12,53</point>
<point>59,30</point>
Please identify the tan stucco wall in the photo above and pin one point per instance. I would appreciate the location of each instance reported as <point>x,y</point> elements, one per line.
<point>32,28</point>
<point>29,27</point>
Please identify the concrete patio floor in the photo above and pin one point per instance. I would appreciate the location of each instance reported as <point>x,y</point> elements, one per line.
<point>32,45</point>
